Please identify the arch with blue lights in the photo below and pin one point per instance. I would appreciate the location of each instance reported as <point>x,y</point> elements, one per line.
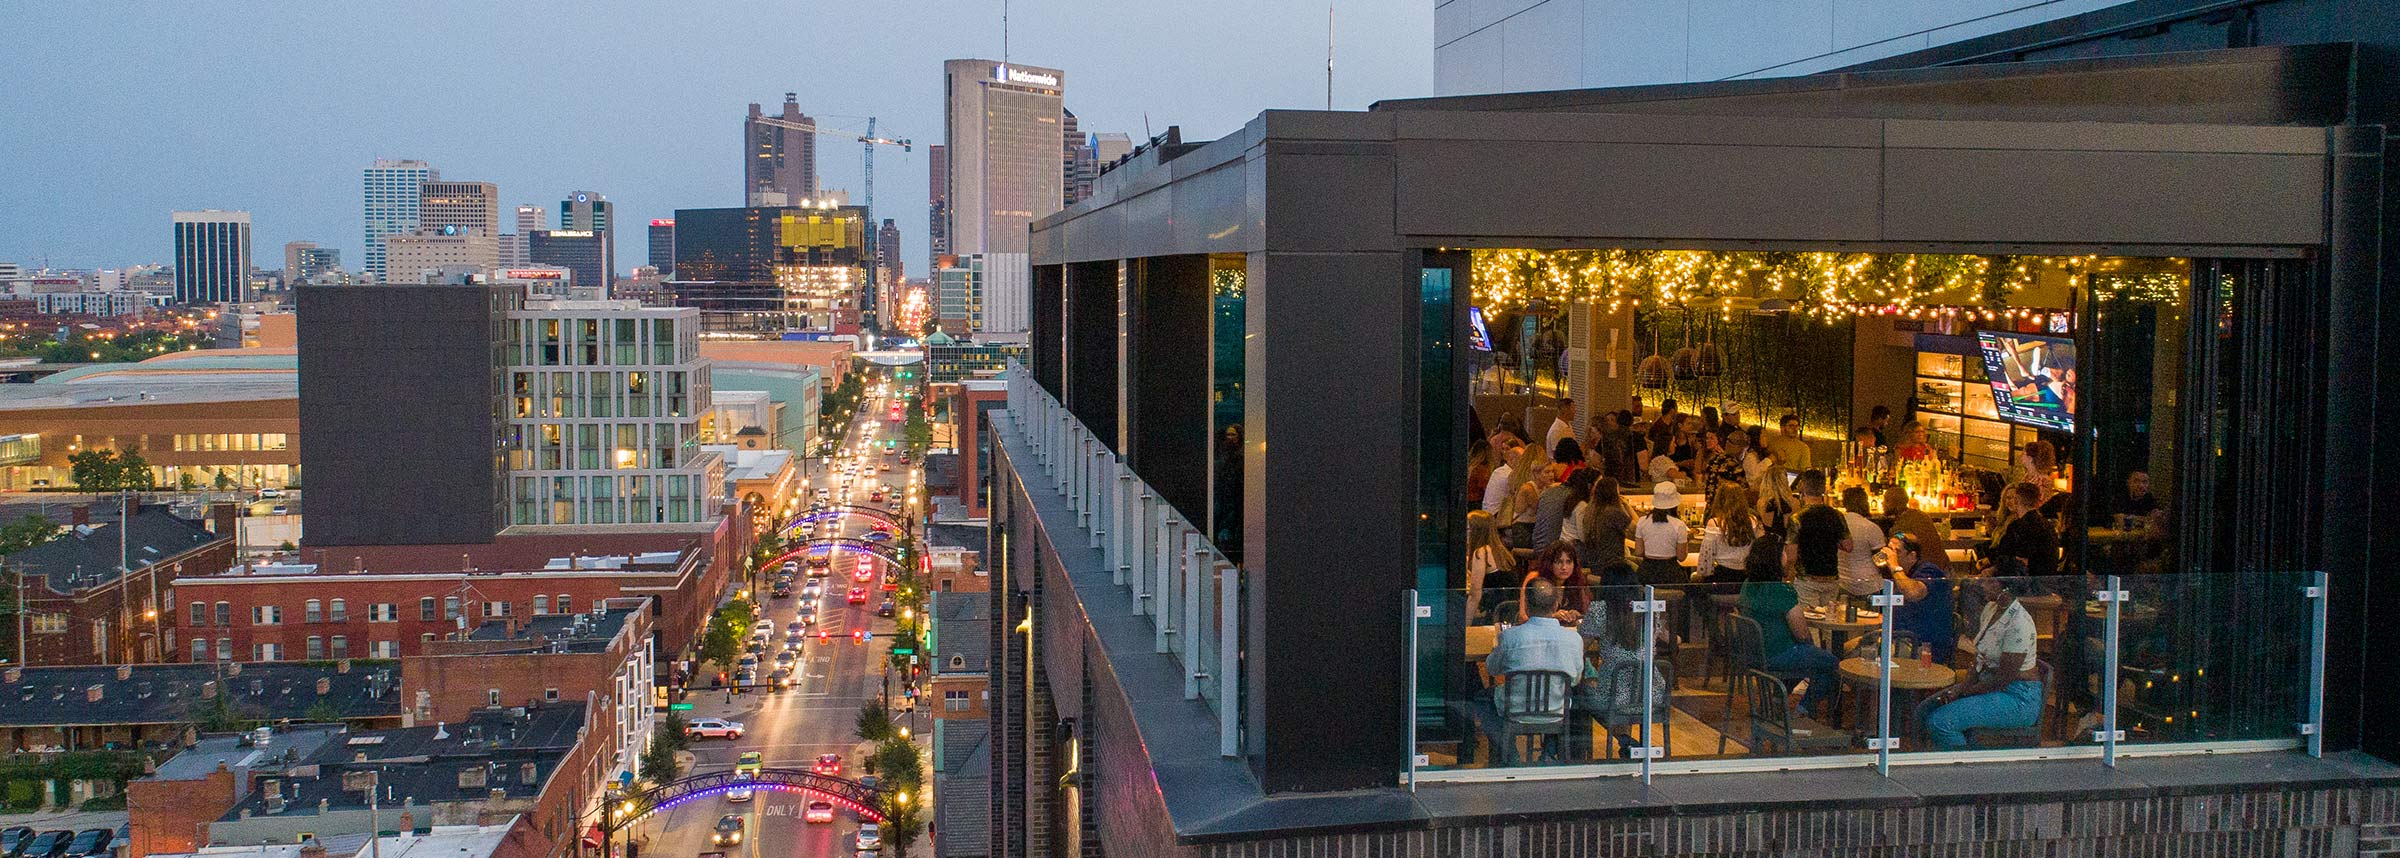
<point>825,513</point>
<point>840,792</point>
<point>889,553</point>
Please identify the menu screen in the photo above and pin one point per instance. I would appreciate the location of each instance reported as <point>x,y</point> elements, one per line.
<point>2033,378</point>
<point>1479,337</point>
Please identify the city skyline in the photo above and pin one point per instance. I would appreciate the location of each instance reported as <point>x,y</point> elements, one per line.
<point>305,186</point>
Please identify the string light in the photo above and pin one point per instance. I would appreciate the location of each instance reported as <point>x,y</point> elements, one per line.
<point>1820,285</point>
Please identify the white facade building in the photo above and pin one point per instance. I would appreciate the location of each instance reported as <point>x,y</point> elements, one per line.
<point>609,403</point>
<point>393,205</point>
<point>405,256</point>
<point>111,303</point>
<point>1483,46</point>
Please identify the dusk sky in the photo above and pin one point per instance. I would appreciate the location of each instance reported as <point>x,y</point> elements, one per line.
<point>118,113</point>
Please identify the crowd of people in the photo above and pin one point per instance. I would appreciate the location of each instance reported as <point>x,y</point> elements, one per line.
<point>1556,552</point>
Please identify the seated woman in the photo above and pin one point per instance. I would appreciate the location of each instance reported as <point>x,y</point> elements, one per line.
<point>2005,688</point>
<point>1611,688</point>
<point>1783,633</point>
<point>1556,563</point>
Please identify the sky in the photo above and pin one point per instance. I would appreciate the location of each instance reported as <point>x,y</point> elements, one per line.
<point>114,114</point>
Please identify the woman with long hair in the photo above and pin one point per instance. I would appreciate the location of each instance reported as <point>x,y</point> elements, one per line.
<point>1602,525</point>
<point>1527,477</point>
<point>1479,469</point>
<point>1725,541</point>
<point>1556,562</point>
<point>1490,565</point>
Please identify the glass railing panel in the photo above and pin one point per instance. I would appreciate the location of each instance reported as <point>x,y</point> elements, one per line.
<point>2211,657</point>
<point>1722,685</point>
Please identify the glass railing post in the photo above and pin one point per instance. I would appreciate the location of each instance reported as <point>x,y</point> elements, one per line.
<point>1883,743</point>
<point>1127,539</point>
<point>1140,538</point>
<point>2317,593</point>
<point>2112,618</point>
<point>1112,521</point>
<point>1190,640</point>
<point>1094,498</point>
<point>1417,612</point>
<point>1162,604</point>
<point>1229,664</point>
<point>1650,608</point>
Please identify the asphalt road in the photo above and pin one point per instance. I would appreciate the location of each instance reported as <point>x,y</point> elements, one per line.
<point>793,726</point>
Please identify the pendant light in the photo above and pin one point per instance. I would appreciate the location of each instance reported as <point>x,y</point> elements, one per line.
<point>1687,360</point>
<point>1653,372</point>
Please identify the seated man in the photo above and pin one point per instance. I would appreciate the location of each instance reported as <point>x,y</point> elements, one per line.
<point>1925,589</point>
<point>1538,644</point>
<point>2005,688</point>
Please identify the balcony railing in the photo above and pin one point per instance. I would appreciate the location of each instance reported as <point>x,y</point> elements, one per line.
<point>1176,576</point>
<point>2133,665</point>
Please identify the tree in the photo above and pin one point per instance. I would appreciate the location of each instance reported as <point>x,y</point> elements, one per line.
<point>658,764</point>
<point>874,723</point>
<point>133,471</point>
<point>899,762</point>
<point>322,712</point>
<point>26,533</point>
<point>224,481</point>
<point>184,481</point>
<point>110,470</point>
<point>903,820</point>
<point>720,644</point>
<point>674,731</point>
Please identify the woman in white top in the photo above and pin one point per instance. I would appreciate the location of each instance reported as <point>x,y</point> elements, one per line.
<point>1725,543</point>
<point>2005,689</point>
<point>1659,537</point>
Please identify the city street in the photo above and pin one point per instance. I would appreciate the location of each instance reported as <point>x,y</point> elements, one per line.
<point>791,727</point>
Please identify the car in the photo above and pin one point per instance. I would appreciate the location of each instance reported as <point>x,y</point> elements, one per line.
<point>818,811</point>
<point>827,764</point>
<point>877,535</point>
<point>49,844</point>
<point>817,562</point>
<point>808,613</point>
<point>749,763</point>
<point>713,728</point>
<point>812,593</point>
<point>728,831</point>
<point>739,793</point>
<point>270,493</point>
<point>870,836</point>
<point>785,658</point>
<point>280,509</point>
<point>92,842</point>
<point>780,678</point>
<point>14,838</point>
<point>782,590</point>
<point>875,497</point>
<point>870,781</point>
<point>791,566</point>
<point>858,595</point>
<point>884,610</point>
<point>745,677</point>
<point>795,627</point>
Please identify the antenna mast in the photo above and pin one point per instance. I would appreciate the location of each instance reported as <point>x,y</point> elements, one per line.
<point>1329,56</point>
<point>1004,31</point>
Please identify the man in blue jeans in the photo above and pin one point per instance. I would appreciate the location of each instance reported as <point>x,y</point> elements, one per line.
<point>2005,689</point>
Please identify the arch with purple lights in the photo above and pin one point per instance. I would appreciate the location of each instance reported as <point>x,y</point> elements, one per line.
<point>842,793</point>
<point>827,513</point>
<point>889,553</point>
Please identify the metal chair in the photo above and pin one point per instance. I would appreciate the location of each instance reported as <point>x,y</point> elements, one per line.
<point>1540,712</point>
<point>1773,727</point>
<point>1661,710</point>
<point>1749,657</point>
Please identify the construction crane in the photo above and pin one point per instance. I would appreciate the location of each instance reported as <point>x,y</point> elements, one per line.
<point>867,142</point>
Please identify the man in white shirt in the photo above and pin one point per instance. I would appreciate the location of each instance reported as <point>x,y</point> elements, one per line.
<point>1495,491</point>
<point>1562,426</point>
<point>1859,577</point>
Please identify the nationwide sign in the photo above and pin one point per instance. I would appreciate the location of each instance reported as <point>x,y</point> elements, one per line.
<point>1010,75</point>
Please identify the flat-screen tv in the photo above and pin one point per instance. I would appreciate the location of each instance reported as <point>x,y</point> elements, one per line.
<point>1479,337</point>
<point>2033,378</point>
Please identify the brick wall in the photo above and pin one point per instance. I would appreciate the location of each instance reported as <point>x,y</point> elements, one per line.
<point>118,606</point>
<point>172,816</point>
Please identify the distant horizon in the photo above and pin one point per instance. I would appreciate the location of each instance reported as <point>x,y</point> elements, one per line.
<point>128,113</point>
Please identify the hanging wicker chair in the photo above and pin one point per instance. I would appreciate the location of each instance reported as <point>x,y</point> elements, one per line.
<point>1653,372</point>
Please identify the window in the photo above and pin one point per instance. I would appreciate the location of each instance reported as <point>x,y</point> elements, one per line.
<point>316,647</point>
<point>49,624</point>
<point>566,604</point>
<point>313,611</point>
<point>550,695</point>
<point>224,613</point>
<point>541,605</point>
<point>425,610</point>
<point>199,649</point>
<point>269,652</point>
<point>266,615</point>
<point>449,607</point>
<point>494,697</point>
<point>956,701</point>
<point>495,609</point>
<point>224,649</point>
<point>199,614</point>
<point>383,649</point>
<point>341,646</point>
<point>341,611</point>
<point>383,612</point>
<point>425,638</point>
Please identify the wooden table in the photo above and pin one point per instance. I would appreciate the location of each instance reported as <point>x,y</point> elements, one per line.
<point>1480,640</point>
<point>1908,678</point>
<point>1834,627</point>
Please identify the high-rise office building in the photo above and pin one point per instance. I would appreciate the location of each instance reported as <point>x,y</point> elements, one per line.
<point>212,257</point>
<point>779,164</point>
<point>516,247</point>
<point>958,296</point>
<point>584,211</point>
<point>1086,155</point>
<point>1072,159</point>
<point>532,219</point>
<point>393,203</point>
<point>1004,144</point>
<point>772,267</point>
<point>578,250</point>
<point>449,249</point>
<point>937,212</point>
<point>889,270</point>
<point>461,206</point>
<point>291,260</point>
<point>662,246</point>
<point>308,261</point>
